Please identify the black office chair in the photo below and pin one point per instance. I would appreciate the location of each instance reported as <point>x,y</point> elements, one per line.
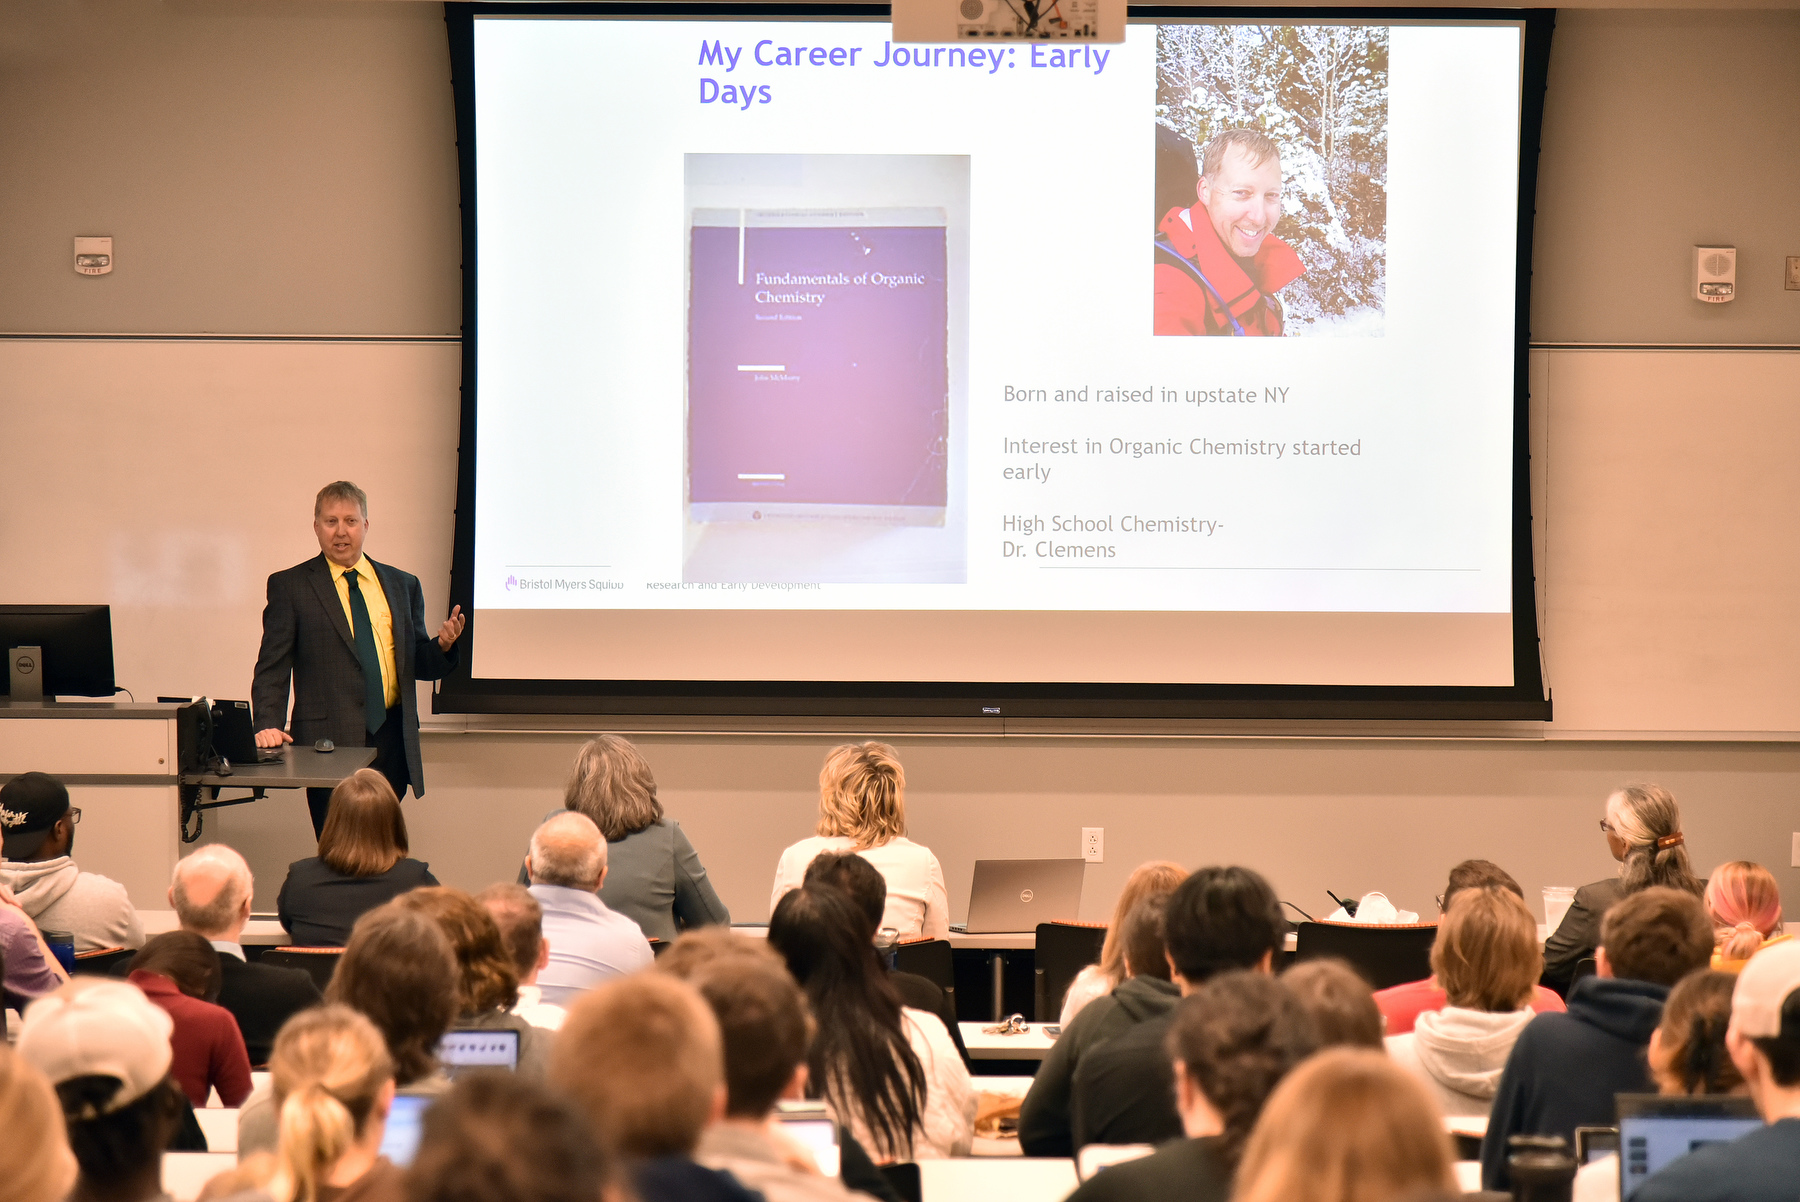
<point>903,1179</point>
<point>103,962</point>
<point>1587,966</point>
<point>1384,955</point>
<point>928,958</point>
<point>1063,950</point>
<point>321,962</point>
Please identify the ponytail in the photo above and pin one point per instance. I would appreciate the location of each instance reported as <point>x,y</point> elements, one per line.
<point>1648,820</point>
<point>329,1066</point>
<point>316,1128</point>
<point>1739,942</point>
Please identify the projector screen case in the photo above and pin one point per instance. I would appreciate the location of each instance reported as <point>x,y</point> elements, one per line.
<point>926,617</point>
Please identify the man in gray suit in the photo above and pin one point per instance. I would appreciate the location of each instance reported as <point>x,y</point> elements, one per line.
<point>350,633</point>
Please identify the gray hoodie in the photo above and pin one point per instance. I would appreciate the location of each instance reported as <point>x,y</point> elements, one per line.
<point>61,897</point>
<point>1460,1054</point>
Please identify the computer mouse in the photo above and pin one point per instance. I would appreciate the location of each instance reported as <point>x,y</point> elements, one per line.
<point>324,745</point>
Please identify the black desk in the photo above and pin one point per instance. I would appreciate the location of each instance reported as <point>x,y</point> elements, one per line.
<point>298,768</point>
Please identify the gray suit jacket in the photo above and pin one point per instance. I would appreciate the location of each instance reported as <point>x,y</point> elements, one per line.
<point>306,637</point>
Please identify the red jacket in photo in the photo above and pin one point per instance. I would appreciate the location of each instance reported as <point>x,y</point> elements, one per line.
<point>1186,306</point>
<point>208,1047</point>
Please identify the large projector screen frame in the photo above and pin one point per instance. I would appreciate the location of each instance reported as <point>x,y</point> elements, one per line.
<point>804,703</point>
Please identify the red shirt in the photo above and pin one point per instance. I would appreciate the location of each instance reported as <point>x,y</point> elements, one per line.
<point>209,1048</point>
<point>1402,1004</point>
<point>1185,306</point>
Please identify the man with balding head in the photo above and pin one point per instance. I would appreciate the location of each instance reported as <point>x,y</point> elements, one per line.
<point>589,943</point>
<point>211,897</point>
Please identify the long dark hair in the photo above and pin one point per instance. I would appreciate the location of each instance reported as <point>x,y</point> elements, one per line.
<point>861,1060</point>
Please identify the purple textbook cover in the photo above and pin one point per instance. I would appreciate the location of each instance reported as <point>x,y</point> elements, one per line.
<point>817,378</point>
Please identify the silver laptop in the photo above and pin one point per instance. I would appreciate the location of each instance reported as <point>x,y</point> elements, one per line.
<point>1016,895</point>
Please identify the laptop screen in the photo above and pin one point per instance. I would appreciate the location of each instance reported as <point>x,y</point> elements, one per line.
<point>460,1050</point>
<point>1655,1131</point>
<point>405,1123</point>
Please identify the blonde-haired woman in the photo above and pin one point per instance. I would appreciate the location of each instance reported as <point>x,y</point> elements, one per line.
<point>35,1163</point>
<point>1744,903</point>
<point>334,1085</point>
<point>1157,878</point>
<point>1643,831</point>
<point>653,874</point>
<point>1348,1125</point>
<point>862,808</point>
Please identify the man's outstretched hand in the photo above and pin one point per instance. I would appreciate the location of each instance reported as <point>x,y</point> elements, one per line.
<point>452,628</point>
<point>272,737</point>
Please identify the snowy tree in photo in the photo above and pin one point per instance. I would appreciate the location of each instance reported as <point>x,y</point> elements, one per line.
<point>1320,91</point>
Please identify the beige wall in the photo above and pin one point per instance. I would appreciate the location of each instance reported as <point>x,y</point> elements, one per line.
<point>289,167</point>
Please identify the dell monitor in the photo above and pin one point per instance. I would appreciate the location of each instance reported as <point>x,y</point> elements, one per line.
<point>74,642</point>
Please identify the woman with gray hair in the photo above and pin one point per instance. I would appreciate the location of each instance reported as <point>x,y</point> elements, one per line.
<point>1643,831</point>
<point>654,876</point>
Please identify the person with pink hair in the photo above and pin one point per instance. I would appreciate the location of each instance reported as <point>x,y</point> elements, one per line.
<point>1745,906</point>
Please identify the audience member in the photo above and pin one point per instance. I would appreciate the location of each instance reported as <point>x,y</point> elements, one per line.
<point>1340,1002</point>
<point>862,808</point>
<point>1347,1126</point>
<point>211,896</point>
<point>1401,1005</point>
<point>362,863</point>
<point>641,1059</point>
<point>179,971</point>
<point>1744,904</point>
<point>489,984</point>
<point>28,968</point>
<point>1565,1068</point>
<point>1643,831</point>
<point>105,1049</point>
<point>1157,878</point>
<point>1217,920</point>
<point>1144,994</point>
<point>866,887</point>
<point>588,942</point>
<point>334,1086</point>
<point>890,1072</point>
<point>398,971</point>
<point>1687,1056</point>
<point>35,1162</point>
<point>765,1031</point>
<point>496,1137</point>
<point>39,868</point>
<point>1232,1041</point>
<point>654,875</point>
<point>521,923</point>
<point>1487,960</point>
<point>1764,1043</point>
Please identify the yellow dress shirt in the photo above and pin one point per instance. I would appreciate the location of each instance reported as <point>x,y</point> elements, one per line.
<point>380,617</point>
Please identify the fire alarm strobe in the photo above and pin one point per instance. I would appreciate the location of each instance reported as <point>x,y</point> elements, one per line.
<point>1715,273</point>
<point>93,256</point>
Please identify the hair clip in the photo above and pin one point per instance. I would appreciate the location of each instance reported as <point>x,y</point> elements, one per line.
<point>1668,841</point>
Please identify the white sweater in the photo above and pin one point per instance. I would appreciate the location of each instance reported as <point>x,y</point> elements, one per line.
<point>947,1128</point>
<point>1459,1054</point>
<point>916,902</point>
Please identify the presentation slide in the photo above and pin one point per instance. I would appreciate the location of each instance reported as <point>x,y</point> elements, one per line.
<point>805,355</point>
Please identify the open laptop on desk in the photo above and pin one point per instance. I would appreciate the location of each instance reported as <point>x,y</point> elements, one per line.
<point>1016,895</point>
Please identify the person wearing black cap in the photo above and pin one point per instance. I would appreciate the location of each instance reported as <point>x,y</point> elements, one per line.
<point>39,829</point>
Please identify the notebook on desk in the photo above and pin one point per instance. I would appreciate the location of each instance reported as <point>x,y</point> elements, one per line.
<point>1016,895</point>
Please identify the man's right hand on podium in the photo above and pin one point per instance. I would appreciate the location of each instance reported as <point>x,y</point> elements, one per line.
<point>272,737</point>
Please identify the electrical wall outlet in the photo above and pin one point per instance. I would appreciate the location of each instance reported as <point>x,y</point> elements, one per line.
<point>1093,844</point>
<point>1796,855</point>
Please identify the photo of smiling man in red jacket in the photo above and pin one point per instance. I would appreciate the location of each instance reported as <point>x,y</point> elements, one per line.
<point>1218,262</point>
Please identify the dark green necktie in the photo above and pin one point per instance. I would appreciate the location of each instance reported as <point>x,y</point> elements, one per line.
<point>363,630</point>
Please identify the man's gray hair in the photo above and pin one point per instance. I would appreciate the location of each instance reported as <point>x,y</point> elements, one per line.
<point>223,868</point>
<point>341,490</point>
<point>567,850</point>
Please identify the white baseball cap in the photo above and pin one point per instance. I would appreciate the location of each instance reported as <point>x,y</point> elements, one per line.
<point>1762,987</point>
<point>94,1027</point>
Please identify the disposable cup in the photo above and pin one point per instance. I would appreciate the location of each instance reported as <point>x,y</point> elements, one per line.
<point>1557,900</point>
